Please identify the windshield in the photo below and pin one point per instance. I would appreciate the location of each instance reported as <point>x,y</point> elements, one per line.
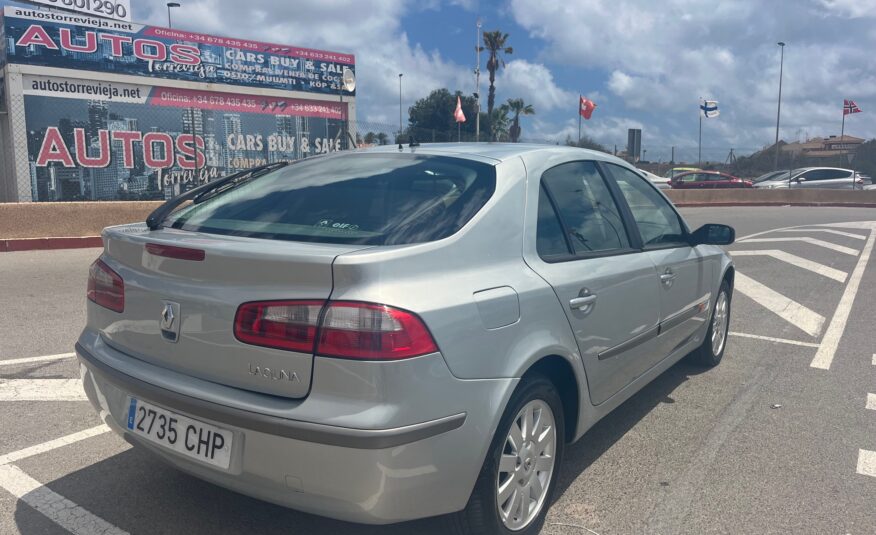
<point>770,176</point>
<point>377,199</point>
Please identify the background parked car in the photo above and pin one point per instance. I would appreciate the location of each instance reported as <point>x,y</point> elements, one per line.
<point>817,177</point>
<point>708,180</point>
<point>659,181</point>
<point>675,171</point>
<point>772,175</point>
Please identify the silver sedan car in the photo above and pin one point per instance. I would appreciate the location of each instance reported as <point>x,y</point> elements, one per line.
<point>399,333</point>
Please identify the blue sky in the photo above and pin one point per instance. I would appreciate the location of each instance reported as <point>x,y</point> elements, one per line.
<point>645,62</point>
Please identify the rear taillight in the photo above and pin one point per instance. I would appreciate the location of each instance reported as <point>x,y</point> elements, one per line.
<point>289,325</point>
<point>173,251</point>
<point>345,329</point>
<point>106,287</point>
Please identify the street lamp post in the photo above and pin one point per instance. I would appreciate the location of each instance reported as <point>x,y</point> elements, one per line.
<point>170,5</point>
<point>399,107</point>
<point>779,110</point>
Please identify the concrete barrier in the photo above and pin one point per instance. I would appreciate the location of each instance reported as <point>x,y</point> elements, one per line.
<point>53,225</point>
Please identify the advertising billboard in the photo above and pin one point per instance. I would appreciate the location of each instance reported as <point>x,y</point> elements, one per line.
<point>96,140</point>
<point>113,9</point>
<point>81,42</point>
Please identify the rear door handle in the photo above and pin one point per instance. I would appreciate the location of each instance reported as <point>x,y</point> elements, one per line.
<point>668,277</point>
<point>581,302</point>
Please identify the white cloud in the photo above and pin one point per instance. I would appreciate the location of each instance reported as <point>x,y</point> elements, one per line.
<point>659,58</point>
<point>535,83</point>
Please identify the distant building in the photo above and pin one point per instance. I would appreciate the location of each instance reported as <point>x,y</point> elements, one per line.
<point>634,144</point>
<point>818,147</point>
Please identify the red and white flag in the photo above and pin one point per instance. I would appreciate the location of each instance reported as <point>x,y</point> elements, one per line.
<point>586,107</point>
<point>850,107</point>
<point>458,115</point>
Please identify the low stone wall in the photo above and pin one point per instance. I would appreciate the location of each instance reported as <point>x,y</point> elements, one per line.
<point>20,221</point>
<point>68,219</point>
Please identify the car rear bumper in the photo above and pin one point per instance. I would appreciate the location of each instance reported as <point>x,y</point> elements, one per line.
<point>375,475</point>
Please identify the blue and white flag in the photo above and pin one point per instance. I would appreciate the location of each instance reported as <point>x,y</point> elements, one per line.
<point>710,108</point>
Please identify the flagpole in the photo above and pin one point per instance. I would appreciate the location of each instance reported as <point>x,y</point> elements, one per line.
<point>700,145</point>
<point>842,135</point>
<point>458,132</point>
<point>579,120</point>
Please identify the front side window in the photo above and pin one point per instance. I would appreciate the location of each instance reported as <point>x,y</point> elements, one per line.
<point>589,216</point>
<point>656,220</point>
<point>372,199</point>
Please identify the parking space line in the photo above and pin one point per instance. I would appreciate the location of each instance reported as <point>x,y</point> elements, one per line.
<point>867,463</point>
<point>57,508</point>
<point>28,360</point>
<point>773,339</point>
<point>812,241</point>
<point>828,231</point>
<point>41,390</point>
<point>871,402</point>
<point>798,261</point>
<point>72,438</point>
<point>789,310</point>
<point>830,342</point>
<point>874,359</point>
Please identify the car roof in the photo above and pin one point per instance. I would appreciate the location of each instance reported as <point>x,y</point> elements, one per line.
<point>493,151</point>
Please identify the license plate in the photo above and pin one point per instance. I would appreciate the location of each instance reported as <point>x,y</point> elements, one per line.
<point>183,435</point>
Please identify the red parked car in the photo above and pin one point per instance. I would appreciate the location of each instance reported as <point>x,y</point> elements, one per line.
<point>708,180</point>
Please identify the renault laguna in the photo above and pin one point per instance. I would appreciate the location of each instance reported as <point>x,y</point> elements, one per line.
<point>397,333</point>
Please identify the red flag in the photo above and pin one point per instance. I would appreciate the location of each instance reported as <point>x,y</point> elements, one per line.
<point>850,107</point>
<point>586,107</point>
<point>458,115</point>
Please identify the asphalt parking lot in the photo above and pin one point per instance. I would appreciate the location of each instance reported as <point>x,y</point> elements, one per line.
<point>780,438</point>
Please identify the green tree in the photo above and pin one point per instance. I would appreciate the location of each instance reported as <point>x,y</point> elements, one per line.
<point>587,142</point>
<point>518,107</point>
<point>500,123</point>
<point>494,43</point>
<point>431,118</point>
<point>382,138</point>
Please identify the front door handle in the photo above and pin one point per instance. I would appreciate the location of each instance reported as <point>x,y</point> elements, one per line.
<point>668,277</point>
<point>581,302</point>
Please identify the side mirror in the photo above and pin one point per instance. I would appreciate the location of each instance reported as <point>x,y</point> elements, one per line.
<point>799,179</point>
<point>713,234</point>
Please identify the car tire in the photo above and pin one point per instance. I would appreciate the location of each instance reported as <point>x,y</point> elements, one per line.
<point>710,353</point>
<point>516,471</point>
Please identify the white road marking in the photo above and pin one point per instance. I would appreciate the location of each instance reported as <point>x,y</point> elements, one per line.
<point>871,402</point>
<point>53,444</point>
<point>867,463</point>
<point>828,231</point>
<point>874,359</point>
<point>57,508</point>
<point>830,342</point>
<point>861,225</point>
<point>789,310</point>
<point>772,339</point>
<point>812,241</point>
<point>798,261</point>
<point>28,360</point>
<point>41,390</point>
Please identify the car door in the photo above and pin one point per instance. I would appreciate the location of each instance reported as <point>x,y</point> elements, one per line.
<point>684,273</point>
<point>607,287</point>
<point>809,179</point>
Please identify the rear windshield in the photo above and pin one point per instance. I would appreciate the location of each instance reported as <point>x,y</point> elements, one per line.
<point>373,199</point>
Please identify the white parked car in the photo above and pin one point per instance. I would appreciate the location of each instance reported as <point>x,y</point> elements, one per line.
<point>659,181</point>
<point>817,178</point>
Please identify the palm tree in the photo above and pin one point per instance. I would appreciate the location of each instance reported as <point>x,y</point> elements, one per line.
<point>494,43</point>
<point>499,123</point>
<point>519,108</point>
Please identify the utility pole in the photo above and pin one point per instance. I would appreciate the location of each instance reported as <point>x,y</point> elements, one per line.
<point>672,159</point>
<point>779,110</point>
<point>399,107</point>
<point>477,94</point>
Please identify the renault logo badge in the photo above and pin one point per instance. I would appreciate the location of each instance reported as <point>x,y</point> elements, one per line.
<point>170,321</point>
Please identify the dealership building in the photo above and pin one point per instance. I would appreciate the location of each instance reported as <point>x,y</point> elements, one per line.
<point>100,109</point>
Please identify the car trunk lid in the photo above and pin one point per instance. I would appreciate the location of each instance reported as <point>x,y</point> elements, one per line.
<point>201,293</point>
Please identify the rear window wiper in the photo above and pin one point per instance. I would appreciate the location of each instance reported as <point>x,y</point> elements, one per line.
<point>208,191</point>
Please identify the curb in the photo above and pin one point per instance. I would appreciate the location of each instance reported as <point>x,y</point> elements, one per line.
<point>40,244</point>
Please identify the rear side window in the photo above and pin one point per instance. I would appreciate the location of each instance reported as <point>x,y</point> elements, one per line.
<point>589,215</point>
<point>371,199</point>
